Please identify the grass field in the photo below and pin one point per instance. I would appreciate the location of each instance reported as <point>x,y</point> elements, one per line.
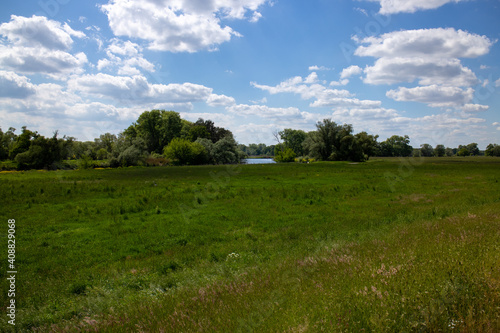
<point>387,245</point>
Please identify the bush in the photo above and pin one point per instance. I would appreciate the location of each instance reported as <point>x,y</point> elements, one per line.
<point>285,155</point>
<point>463,152</point>
<point>184,152</point>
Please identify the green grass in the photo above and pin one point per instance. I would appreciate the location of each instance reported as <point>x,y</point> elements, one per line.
<point>388,245</point>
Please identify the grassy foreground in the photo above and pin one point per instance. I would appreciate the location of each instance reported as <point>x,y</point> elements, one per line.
<point>388,245</point>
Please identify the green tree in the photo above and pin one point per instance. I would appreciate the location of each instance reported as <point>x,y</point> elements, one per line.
<point>157,128</point>
<point>463,152</point>
<point>426,150</point>
<point>492,150</point>
<point>293,139</point>
<point>22,142</point>
<point>439,151</point>
<point>132,154</point>
<point>226,151</point>
<point>184,152</point>
<point>473,149</point>
<point>42,153</point>
<point>396,146</point>
<point>216,133</point>
<point>198,131</point>
<point>367,143</point>
<point>284,154</point>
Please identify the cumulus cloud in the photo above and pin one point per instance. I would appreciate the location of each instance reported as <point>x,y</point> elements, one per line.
<point>426,70</point>
<point>350,71</point>
<point>38,31</point>
<point>323,96</point>
<point>32,61</point>
<point>471,108</point>
<point>38,45</point>
<point>137,90</point>
<point>388,7</point>
<point>428,55</point>
<point>433,95</point>
<point>179,25</point>
<point>126,58</point>
<point>15,86</point>
<point>440,42</point>
<point>220,100</point>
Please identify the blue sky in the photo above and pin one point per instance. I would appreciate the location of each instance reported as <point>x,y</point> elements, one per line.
<point>425,68</point>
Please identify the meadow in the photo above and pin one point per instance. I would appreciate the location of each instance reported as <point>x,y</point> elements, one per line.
<point>386,245</point>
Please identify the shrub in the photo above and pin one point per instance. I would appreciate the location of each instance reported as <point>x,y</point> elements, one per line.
<point>284,155</point>
<point>184,152</point>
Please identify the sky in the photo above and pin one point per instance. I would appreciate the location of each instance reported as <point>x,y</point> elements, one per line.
<point>428,69</point>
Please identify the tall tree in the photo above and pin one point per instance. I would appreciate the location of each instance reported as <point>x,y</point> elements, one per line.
<point>294,139</point>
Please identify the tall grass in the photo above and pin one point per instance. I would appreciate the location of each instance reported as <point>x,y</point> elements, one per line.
<point>300,247</point>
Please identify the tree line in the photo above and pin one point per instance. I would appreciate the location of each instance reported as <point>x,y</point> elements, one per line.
<point>333,142</point>
<point>158,137</point>
<point>161,137</point>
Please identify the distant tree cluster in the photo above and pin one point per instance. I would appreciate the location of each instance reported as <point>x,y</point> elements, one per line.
<point>334,142</point>
<point>261,150</point>
<point>157,137</point>
<point>330,142</point>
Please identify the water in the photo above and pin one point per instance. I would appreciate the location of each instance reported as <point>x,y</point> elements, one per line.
<point>258,161</point>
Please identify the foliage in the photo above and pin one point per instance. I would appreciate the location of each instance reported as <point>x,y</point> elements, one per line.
<point>42,153</point>
<point>254,149</point>
<point>426,150</point>
<point>185,152</point>
<point>157,128</point>
<point>439,151</point>
<point>492,150</point>
<point>472,148</point>
<point>293,139</point>
<point>396,146</point>
<point>284,154</point>
<point>214,133</point>
<point>332,142</point>
<point>226,151</point>
<point>133,154</point>
<point>463,152</point>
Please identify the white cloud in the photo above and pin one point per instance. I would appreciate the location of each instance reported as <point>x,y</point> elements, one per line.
<point>220,100</point>
<point>433,95</point>
<point>38,60</point>
<point>497,83</point>
<point>410,6</point>
<point>430,56</point>
<point>125,58</point>
<point>265,111</point>
<point>426,70</point>
<point>319,68</point>
<point>39,45</point>
<point>135,90</point>
<point>179,25</point>
<point>15,86</point>
<point>323,97</point>
<point>471,108</point>
<point>350,71</point>
<point>442,43</point>
<point>38,31</point>
<point>311,78</point>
